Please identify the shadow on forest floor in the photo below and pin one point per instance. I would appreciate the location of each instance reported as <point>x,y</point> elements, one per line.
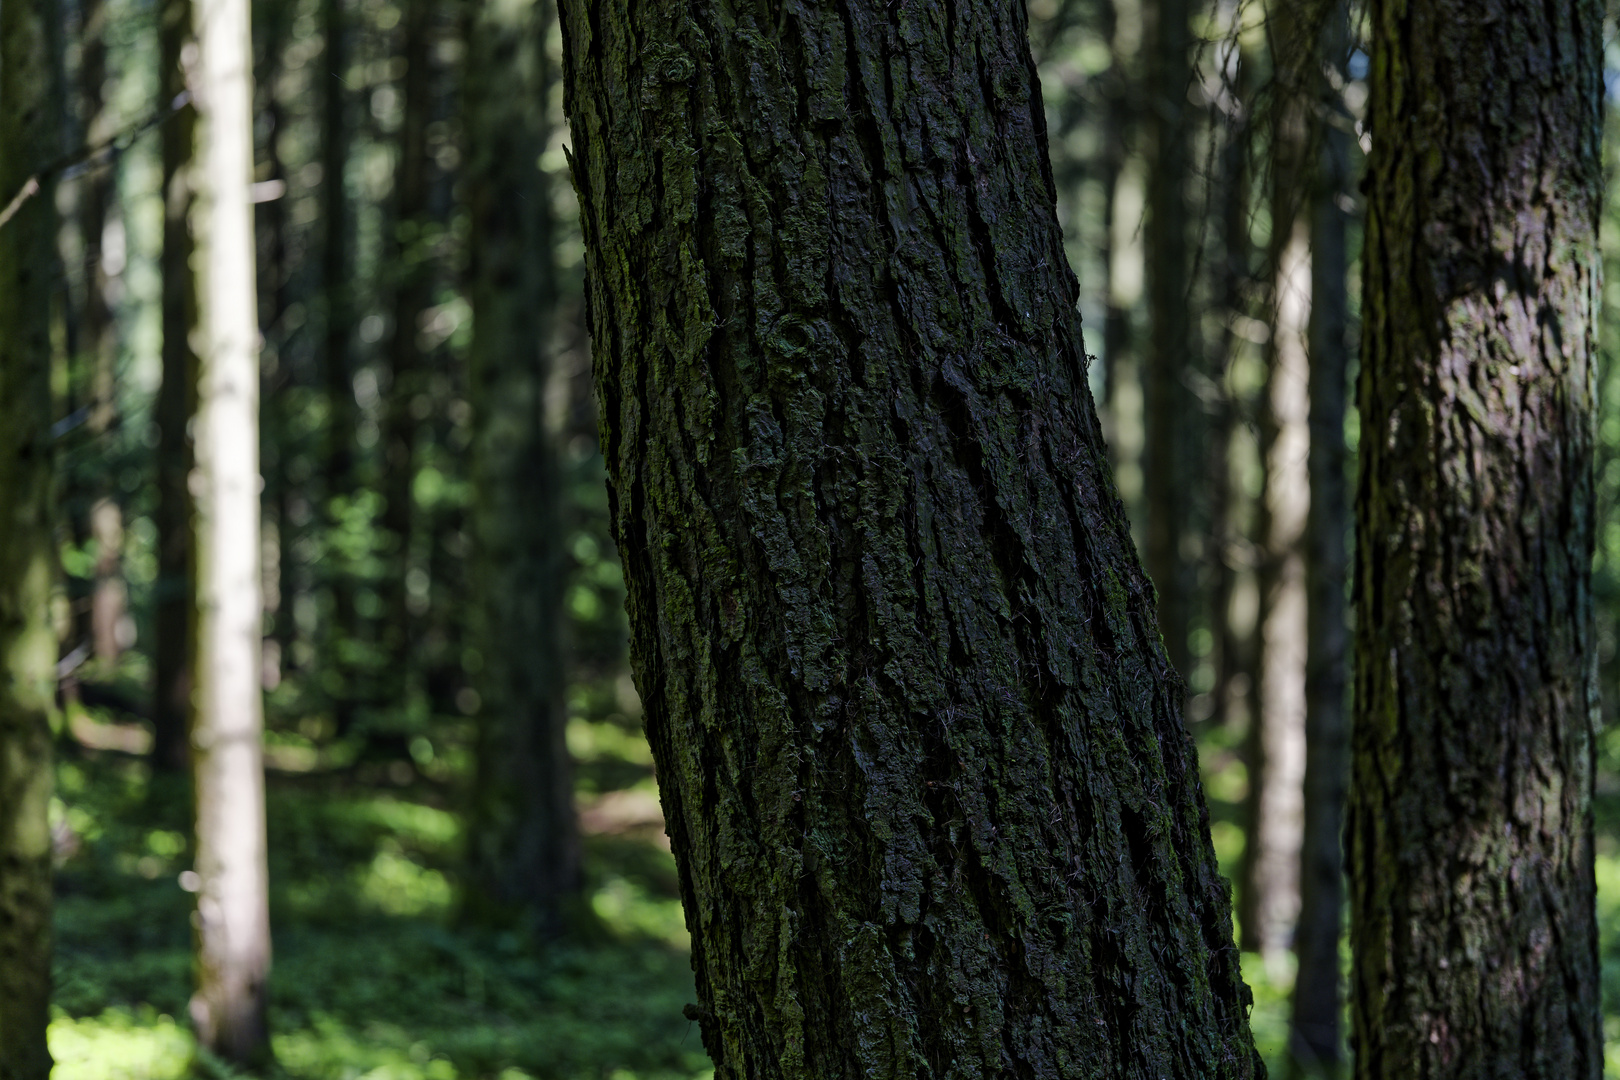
<point>372,977</point>
<point>374,981</point>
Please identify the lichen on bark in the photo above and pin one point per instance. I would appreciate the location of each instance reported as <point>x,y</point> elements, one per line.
<point>919,748</point>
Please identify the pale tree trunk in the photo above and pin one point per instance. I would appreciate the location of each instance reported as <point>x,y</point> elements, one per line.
<point>523,849</point>
<point>1470,824</point>
<point>1278,820</point>
<point>233,926</point>
<point>920,749</point>
<point>1276,746</point>
<point>108,618</point>
<point>174,611</point>
<point>27,563</point>
<point>1316,1041</point>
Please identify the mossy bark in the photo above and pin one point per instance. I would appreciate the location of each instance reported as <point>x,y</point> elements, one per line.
<point>1470,832</point>
<point>523,845</point>
<point>919,747</point>
<point>28,133</point>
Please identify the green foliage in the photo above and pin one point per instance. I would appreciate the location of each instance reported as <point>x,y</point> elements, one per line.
<point>373,978</point>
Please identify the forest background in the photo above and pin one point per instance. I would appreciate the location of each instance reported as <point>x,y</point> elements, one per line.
<point>375,674</point>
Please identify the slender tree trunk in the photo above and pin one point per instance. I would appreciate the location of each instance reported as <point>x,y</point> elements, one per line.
<point>172,596</point>
<point>920,748</point>
<point>1470,831</point>
<point>525,854</point>
<point>1231,659</point>
<point>27,565</point>
<point>1270,902</point>
<point>1316,1041</point>
<point>338,294</point>
<point>233,924</point>
<point>1167,411</point>
<point>412,295</point>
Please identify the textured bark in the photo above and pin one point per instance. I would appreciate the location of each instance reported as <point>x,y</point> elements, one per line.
<point>27,563</point>
<point>1315,1041</point>
<point>1166,405</point>
<point>1470,828</point>
<point>525,851</point>
<point>173,608</point>
<point>919,746</point>
<point>233,915</point>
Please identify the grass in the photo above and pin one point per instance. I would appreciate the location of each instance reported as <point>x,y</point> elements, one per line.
<point>374,979</point>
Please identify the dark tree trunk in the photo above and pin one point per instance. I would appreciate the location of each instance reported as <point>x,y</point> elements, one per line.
<point>1316,1042</point>
<point>27,561</point>
<point>338,294</point>
<point>524,851</point>
<point>176,401</point>
<point>1470,826</point>
<point>1167,412</point>
<point>412,294</point>
<point>919,746</point>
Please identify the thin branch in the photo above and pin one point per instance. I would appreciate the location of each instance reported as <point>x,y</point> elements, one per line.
<point>82,159</point>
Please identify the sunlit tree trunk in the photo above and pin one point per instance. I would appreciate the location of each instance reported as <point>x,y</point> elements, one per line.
<point>1167,409</point>
<point>920,749</point>
<point>174,625</point>
<point>233,927</point>
<point>523,848</point>
<point>1270,889</point>
<point>27,563</point>
<point>1316,1040</point>
<point>1470,827</point>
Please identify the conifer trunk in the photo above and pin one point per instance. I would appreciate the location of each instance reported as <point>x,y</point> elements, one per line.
<point>233,917</point>
<point>1316,1040</point>
<point>525,852</point>
<point>919,746</point>
<point>1167,411</point>
<point>27,560</point>
<point>1470,825</point>
<point>172,597</point>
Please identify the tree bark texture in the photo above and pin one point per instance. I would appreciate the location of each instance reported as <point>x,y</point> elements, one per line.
<point>27,562</point>
<point>1166,399</point>
<point>1470,826</point>
<point>1316,1044</point>
<point>525,849</point>
<point>918,742</point>
<point>173,616</point>
<point>233,915</point>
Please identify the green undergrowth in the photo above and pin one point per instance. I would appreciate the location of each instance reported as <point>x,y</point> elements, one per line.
<point>373,977</point>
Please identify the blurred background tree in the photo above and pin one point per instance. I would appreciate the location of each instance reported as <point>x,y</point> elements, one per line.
<point>468,873</point>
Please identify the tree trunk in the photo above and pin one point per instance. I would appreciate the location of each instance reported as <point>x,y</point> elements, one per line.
<point>172,597</point>
<point>233,924</point>
<point>1470,829</point>
<point>27,561</point>
<point>919,745</point>
<point>412,265</point>
<point>1270,901</point>
<point>1167,412</point>
<point>525,853</point>
<point>338,294</point>
<point>1316,1042</point>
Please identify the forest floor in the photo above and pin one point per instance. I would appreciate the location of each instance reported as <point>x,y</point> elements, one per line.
<point>374,980</point>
